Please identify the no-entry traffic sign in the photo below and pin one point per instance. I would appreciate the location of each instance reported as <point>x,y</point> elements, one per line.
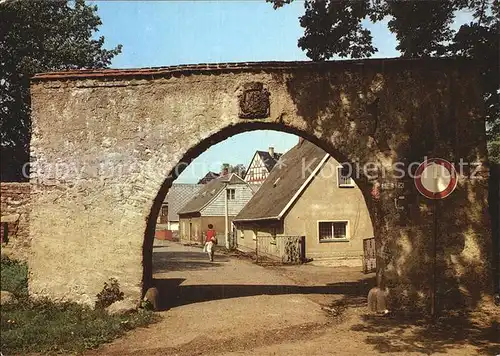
<point>436,178</point>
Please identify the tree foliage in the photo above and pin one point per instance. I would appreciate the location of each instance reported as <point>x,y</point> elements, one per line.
<point>239,169</point>
<point>422,28</point>
<point>40,36</point>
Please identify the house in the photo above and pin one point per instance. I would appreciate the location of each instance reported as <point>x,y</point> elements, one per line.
<point>208,206</point>
<point>261,164</point>
<point>178,195</point>
<point>309,194</point>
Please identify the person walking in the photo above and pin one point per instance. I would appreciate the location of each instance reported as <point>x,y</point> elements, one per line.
<point>210,242</point>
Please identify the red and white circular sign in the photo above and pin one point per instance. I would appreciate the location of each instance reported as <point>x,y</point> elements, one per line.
<point>436,178</point>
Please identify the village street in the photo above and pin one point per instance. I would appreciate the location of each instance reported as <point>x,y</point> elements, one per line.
<point>234,307</point>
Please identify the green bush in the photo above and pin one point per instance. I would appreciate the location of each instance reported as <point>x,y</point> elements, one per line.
<point>110,293</point>
<point>47,327</point>
<point>13,276</point>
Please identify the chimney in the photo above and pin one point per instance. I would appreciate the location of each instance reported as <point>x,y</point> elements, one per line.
<point>271,151</point>
<point>225,169</point>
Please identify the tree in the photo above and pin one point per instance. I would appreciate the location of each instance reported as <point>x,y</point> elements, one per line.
<point>238,169</point>
<point>422,29</point>
<point>40,36</point>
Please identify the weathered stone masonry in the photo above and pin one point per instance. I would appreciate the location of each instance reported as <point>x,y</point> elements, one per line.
<point>104,143</point>
<point>14,209</point>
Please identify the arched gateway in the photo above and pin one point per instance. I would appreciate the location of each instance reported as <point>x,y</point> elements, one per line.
<point>105,142</point>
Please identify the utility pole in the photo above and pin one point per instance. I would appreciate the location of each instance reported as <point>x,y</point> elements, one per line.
<point>226,228</point>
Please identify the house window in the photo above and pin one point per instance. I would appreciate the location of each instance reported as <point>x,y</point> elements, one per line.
<point>164,210</point>
<point>332,230</point>
<point>231,194</point>
<point>242,234</point>
<point>344,176</point>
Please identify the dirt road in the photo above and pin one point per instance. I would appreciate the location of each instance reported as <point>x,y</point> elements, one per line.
<point>234,307</point>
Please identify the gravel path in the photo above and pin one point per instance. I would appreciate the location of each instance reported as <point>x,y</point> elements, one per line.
<point>234,307</point>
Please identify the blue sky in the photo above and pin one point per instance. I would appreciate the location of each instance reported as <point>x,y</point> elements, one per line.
<point>161,33</point>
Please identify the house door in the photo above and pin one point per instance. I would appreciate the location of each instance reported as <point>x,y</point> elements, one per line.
<point>164,214</point>
<point>190,231</point>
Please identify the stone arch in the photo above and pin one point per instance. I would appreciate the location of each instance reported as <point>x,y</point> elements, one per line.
<point>340,154</point>
<point>147,120</point>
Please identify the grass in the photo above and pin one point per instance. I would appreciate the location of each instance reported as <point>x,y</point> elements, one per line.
<point>13,277</point>
<point>48,328</point>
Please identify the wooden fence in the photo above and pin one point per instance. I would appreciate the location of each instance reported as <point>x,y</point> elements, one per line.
<point>280,249</point>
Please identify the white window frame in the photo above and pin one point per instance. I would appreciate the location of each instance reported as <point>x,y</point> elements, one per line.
<point>347,231</point>
<point>228,192</point>
<point>344,185</point>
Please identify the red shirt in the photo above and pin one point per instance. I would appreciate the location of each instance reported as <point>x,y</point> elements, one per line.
<point>210,234</point>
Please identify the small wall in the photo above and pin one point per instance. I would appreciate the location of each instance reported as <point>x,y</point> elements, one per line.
<point>245,238</point>
<point>249,231</point>
<point>173,225</point>
<point>186,235</point>
<point>15,206</point>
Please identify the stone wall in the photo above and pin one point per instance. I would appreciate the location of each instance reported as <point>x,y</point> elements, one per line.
<point>15,205</point>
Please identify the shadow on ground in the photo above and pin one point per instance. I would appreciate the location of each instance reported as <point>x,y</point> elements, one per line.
<point>389,334</point>
<point>398,334</point>
<point>184,261</point>
<point>174,294</point>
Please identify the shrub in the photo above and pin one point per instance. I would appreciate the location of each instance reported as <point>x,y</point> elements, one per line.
<point>110,293</point>
<point>147,305</point>
<point>13,276</point>
<point>47,327</point>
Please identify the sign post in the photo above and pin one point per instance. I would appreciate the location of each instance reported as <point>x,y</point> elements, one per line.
<point>434,260</point>
<point>435,179</point>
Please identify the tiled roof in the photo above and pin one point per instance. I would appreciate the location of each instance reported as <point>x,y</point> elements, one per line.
<point>178,195</point>
<point>269,161</point>
<point>208,177</point>
<point>283,182</point>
